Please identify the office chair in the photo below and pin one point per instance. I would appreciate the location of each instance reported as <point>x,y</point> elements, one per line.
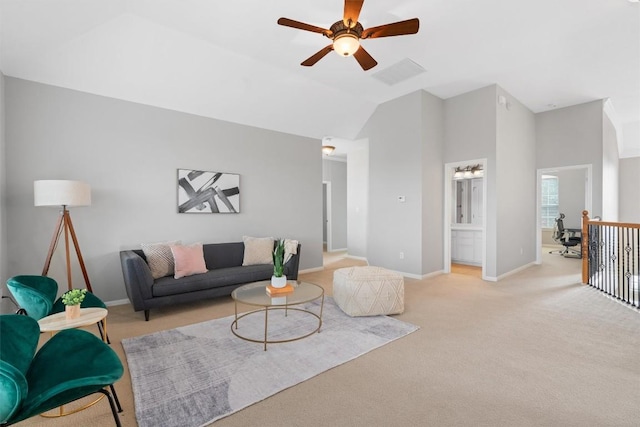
<point>71,365</point>
<point>565,238</point>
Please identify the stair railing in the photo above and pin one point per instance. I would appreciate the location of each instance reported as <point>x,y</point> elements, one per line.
<point>611,258</point>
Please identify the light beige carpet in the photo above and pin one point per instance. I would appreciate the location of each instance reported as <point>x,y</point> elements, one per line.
<point>536,349</point>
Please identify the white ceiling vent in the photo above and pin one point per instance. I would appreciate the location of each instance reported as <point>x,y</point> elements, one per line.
<point>399,72</point>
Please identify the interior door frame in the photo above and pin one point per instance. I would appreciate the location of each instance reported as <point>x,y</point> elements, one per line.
<point>327,207</point>
<point>449,170</point>
<point>588,198</point>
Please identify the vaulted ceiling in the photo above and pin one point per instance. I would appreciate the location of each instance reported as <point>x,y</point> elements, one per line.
<point>230,60</point>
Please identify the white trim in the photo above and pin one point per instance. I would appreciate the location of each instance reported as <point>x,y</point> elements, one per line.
<point>117,302</point>
<point>328,214</point>
<point>310,270</point>
<point>337,250</point>
<point>610,112</point>
<point>588,197</point>
<point>419,276</point>
<point>334,159</point>
<point>509,273</point>
<point>449,169</point>
<point>361,258</point>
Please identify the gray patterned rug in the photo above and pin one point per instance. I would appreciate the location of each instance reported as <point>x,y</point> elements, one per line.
<point>194,375</point>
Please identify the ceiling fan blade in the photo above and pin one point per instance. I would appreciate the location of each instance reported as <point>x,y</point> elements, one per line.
<point>352,11</point>
<point>365,60</point>
<point>410,26</point>
<point>302,26</point>
<point>317,56</point>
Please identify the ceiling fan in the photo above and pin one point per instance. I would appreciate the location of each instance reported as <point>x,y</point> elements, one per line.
<point>347,33</point>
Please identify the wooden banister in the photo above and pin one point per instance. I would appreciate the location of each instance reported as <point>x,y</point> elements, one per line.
<point>584,247</point>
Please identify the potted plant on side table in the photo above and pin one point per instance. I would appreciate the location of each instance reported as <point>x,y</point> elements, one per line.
<point>72,300</point>
<point>278,280</point>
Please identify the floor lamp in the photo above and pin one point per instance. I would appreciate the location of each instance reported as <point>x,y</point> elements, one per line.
<point>65,194</point>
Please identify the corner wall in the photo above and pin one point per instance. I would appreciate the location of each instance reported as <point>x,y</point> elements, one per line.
<point>358,199</point>
<point>405,184</point>
<point>515,185</point>
<point>129,154</point>
<point>470,133</point>
<point>4,275</point>
<point>629,195</point>
<point>573,136</point>
<point>335,172</point>
<point>395,166</point>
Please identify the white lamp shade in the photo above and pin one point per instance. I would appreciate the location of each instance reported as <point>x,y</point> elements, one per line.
<point>53,192</point>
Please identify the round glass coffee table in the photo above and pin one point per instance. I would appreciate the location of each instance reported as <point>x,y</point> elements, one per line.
<point>255,294</point>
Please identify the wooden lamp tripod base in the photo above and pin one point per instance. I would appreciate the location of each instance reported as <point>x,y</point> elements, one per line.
<point>64,225</point>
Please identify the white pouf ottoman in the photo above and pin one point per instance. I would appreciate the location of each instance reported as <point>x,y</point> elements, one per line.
<point>368,291</point>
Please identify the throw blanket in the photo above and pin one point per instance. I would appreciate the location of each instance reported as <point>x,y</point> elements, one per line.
<point>290,249</point>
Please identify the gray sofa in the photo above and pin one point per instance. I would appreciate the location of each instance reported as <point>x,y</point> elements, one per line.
<point>226,272</point>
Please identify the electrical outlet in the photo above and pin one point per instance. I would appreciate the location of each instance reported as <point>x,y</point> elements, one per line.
<point>401,255</point>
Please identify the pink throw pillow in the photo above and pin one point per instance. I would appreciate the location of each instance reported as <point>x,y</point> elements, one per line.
<point>188,259</point>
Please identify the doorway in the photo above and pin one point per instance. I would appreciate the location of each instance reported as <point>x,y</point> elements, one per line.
<point>573,195</point>
<point>465,209</point>
<point>326,216</point>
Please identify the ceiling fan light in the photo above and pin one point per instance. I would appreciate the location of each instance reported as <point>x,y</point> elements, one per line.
<point>346,44</point>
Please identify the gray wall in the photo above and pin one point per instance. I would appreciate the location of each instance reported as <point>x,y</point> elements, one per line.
<point>609,170</point>
<point>3,205</point>
<point>395,161</point>
<point>573,136</point>
<point>358,199</point>
<point>515,184</point>
<point>432,182</point>
<point>478,127</point>
<point>129,154</point>
<point>405,159</point>
<point>336,172</point>
<point>571,194</point>
<point>629,194</point>
<point>470,133</point>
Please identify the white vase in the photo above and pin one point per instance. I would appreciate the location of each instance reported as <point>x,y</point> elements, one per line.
<point>279,282</point>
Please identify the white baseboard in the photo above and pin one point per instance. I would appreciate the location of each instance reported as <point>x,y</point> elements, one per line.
<point>118,302</point>
<point>433,274</point>
<point>310,270</point>
<point>337,250</point>
<point>508,273</point>
<point>419,276</point>
<point>359,258</point>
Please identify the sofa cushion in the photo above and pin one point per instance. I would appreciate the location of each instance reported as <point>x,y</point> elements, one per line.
<point>189,260</point>
<point>159,258</point>
<point>211,279</point>
<point>257,250</point>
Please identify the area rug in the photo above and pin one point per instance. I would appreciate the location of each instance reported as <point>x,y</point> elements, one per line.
<point>194,375</point>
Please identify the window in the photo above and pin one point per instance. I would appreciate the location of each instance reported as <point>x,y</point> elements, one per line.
<point>550,209</point>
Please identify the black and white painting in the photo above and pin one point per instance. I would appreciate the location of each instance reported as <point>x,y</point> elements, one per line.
<point>208,192</point>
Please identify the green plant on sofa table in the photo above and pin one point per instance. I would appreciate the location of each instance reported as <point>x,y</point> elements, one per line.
<point>278,259</point>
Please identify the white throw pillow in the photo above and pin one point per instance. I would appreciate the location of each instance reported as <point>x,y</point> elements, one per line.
<point>160,258</point>
<point>257,250</point>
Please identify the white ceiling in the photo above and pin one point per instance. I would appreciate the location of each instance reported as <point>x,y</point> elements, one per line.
<point>230,60</point>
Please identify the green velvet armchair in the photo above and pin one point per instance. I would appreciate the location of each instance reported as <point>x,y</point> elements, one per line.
<point>71,365</point>
<point>36,297</point>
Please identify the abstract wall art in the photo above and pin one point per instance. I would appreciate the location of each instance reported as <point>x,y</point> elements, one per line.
<point>208,192</point>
